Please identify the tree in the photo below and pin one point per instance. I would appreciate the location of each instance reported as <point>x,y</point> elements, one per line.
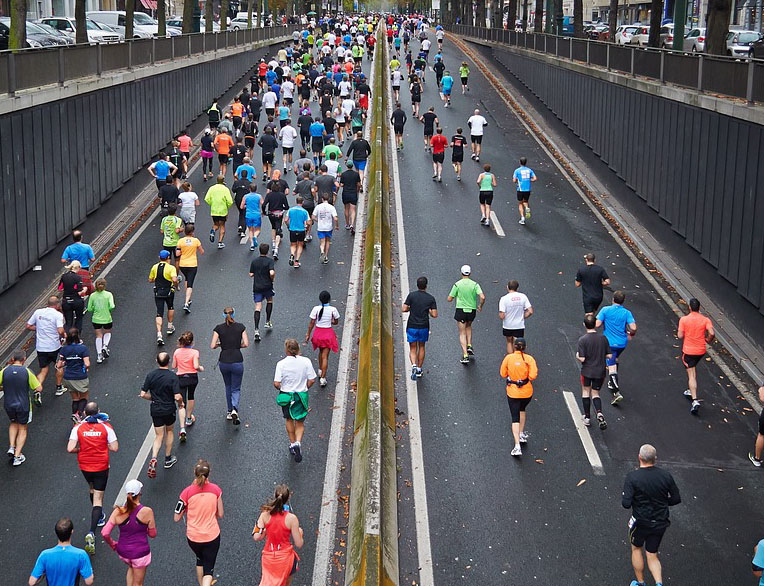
<point>497,13</point>
<point>81,33</point>
<point>717,26</point>
<point>538,17</point>
<point>656,14</point>
<point>480,13</point>
<point>129,16</point>
<point>223,15</point>
<point>578,19</point>
<point>188,16</point>
<point>208,16</point>
<point>525,16</point>
<point>161,18</point>
<point>250,6</point>
<point>512,14</point>
<point>612,20</point>
<point>18,33</point>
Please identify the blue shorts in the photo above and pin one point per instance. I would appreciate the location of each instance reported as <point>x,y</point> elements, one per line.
<point>446,92</point>
<point>322,235</point>
<point>615,353</point>
<point>254,222</point>
<point>360,165</point>
<point>417,335</point>
<point>260,296</point>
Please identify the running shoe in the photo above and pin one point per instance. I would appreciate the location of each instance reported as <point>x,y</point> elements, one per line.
<point>152,471</point>
<point>106,352</point>
<point>90,543</point>
<point>275,254</point>
<point>186,308</point>
<point>221,245</point>
<point>212,235</point>
<point>617,398</point>
<point>170,329</point>
<point>76,418</point>
<point>297,453</point>
<point>19,460</point>
<point>291,260</point>
<point>102,520</point>
<point>751,457</point>
<point>470,351</point>
<point>308,238</point>
<point>189,421</point>
<point>252,248</point>
<point>268,325</point>
<point>465,359</point>
<point>322,382</point>
<point>635,583</point>
<point>11,453</point>
<point>688,394</point>
<point>477,159</point>
<point>182,436</point>
<point>695,407</point>
<point>439,179</point>
<point>320,257</point>
<point>257,335</point>
<point>419,373</point>
<point>516,451</point>
<point>435,176</point>
<point>297,264</point>
<point>169,461</point>
<point>458,177</point>
<point>527,213</point>
<point>228,416</point>
<point>524,437</point>
<point>37,398</point>
<point>487,223</point>
<point>235,417</point>
<point>413,373</point>
<point>160,341</point>
<point>291,449</point>
<point>587,421</point>
<point>601,421</point>
<point>99,359</point>
<point>60,390</point>
<point>521,221</point>
<point>326,260</point>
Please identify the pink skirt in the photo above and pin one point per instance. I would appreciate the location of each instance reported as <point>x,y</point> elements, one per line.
<point>325,338</point>
<point>207,154</point>
<point>141,562</point>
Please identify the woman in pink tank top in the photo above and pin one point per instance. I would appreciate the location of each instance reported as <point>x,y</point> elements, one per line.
<point>276,525</point>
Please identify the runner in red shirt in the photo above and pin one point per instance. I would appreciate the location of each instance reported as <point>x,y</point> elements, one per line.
<point>262,69</point>
<point>439,144</point>
<point>696,330</point>
<point>96,439</point>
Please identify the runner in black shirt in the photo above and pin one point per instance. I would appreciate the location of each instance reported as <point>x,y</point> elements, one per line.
<point>421,307</point>
<point>240,188</point>
<point>304,122</point>
<point>350,181</point>
<point>168,194</point>
<point>430,119</point>
<point>648,491</point>
<point>275,204</point>
<point>415,87</point>
<point>591,278</point>
<point>268,144</point>
<point>162,388</point>
<point>398,120</point>
<point>457,152</point>
<point>238,152</point>
<point>262,270</point>
<point>439,67</point>
<point>592,350</point>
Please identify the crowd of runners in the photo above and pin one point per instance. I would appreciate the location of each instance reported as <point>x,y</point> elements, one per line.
<point>305,109</point>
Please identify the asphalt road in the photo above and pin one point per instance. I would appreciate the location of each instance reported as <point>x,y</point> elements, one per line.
<point>546,518</point>
<point>247,462</point>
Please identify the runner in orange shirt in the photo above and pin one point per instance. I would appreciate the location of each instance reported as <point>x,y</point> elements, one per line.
<point>519,369</point>
<point>223,145</point>
<point>696,330</point>
<point>237,111</point>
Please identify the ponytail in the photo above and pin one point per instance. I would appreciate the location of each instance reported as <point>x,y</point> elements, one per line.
<point>324,297</point>
<point>130,505</point>
<point>201,472</point>
<point>280,498</point>
<point>229,313</point>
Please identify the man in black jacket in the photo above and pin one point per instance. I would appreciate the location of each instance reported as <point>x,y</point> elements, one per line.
<point>648,491</point>
<point>359,151</point>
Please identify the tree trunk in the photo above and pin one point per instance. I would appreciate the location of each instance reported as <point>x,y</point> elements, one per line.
<point>717,26</point>
<point>578,19</point>
<point>250,6</point>
<point>538,17</point>
<point>613,19</point>
<point>129,16</point>
<point>161,18</point>
<point>188,16</point>
<point>81,34</point>
<point>223,15</point>
<point>18,33</point>
<point>512,14</point>
<point>208,22</point>
<point>498,14</point>
<point>656,15</point>
<point>480,13</point>
<point>525,16</point>
<point>558,17</point>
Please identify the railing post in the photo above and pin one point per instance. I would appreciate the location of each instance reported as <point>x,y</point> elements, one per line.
<point>129,54</point>
<point>189,44</point>
<point>749,84</point>
<point>556,46</point>
<point>204,42</point>
<point>663,65</point>
<point>11,74</point>
<point>216,41</point>
<point>571,48</point>
<point>633,53</point>
<point>153,50</point>
<point>227,40</point>
<point>607,57</point>
<point>61,67</point>
<point>700,72</point>
<point>172,48</point>
<point>99,59</point>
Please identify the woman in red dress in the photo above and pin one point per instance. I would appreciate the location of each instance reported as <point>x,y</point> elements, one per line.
<point>277,524</point>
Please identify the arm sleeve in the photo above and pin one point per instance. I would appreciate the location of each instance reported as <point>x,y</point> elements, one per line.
<point>504,371</point>
<point>277,374</point>
<point>533,369</point>
<point>628,493</point>
<point>111,436</point>
<point>39,567</point>
<point>453,291</point>
<point>578,275</point>
<point>674,497</point>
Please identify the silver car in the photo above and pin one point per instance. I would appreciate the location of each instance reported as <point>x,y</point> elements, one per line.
<point>739,43</point>
<point>695,40</point>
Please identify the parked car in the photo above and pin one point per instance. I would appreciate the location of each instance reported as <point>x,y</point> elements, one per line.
<point>640,36</point>
<point>36,35</point>
<point>757,49</point>
<point>599,32</point>
<point>740,43</point>
<point>624,33</point>
<point>63,39</point>
<point>144,27</point>
<point>695,40</point>
<point>67,26</point>
<point>239,23</point>
<point>111,29</point>
<point>667,36</point>
<point>176,22</point>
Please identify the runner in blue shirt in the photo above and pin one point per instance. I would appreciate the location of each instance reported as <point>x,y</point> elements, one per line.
<point>523,176</point>
<point>78,251</point>
<point>253,215</point>
<point>618,326</point>
<point>447,82</point>
<point>298,221</point>
<point>270,76</point>
<point>317,134</point>
<point>63,564</point>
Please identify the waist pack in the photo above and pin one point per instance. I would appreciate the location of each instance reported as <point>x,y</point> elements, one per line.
<point>518,383</point>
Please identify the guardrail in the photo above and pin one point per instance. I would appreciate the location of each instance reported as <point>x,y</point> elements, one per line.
<point>373,525</point>
<point>32,68</point>
<point>728,76</point>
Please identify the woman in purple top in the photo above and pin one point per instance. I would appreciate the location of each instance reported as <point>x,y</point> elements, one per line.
<point>136,524</point>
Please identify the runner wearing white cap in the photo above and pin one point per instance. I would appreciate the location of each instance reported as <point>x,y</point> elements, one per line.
<point>469,299</point>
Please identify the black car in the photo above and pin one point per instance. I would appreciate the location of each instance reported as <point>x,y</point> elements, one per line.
<point>36,36</point>
<point>757,49</point>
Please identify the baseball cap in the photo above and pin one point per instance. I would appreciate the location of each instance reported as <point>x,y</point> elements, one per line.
<point>133,487</point>
<point>165,254</point>
<point>466,269</point>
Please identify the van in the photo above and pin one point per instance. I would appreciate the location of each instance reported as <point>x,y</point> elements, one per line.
<point>144,27</point>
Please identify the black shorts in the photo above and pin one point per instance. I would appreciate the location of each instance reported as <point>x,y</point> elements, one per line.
<point>44,359</point>
<point>276,224</point>
<point>206,554</point>
<point>223,159</point>
<point>190,274</point>
<point>295,236</point>
<point>267,158</point>
<point>188,383</point>
<point>416,99</point>
<point>289,101</point>
<point>463,316</point>
<point>106,327</point>
<point>486,197</point>
<point>350,198</point>
<point>594,383</point>
<point>691,360</point>
<point>219,219</point>
<point>185,156</point>
<point>398,129</point>
<point>19,414</point>
<point>457,157</point>
<point>317,144</point>
<point>98,479</point>
<point>516,406</point>
<point>761,423</point>
<point>285,413</point>
<point>249,142</point>
<point>650,538</point>
<point>170,249</point>
<point>476,139</point>
<point>305,137</point>
<point>438,157</point>
<point>518,333</point>
<point>269,111</point>
<point>287,150</point>
<point>213,125</point>
<point>592,305</point>
<point>162,301</point>
<point>167,420</point>
<point>523,195</point>
<point>237,121</point>
<point>464,81</point>
<point>283,123</point>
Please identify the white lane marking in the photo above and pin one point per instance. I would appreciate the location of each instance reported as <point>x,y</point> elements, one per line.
<point>327,521</point>
<point>135,469</point>
<point>497,225</point>
<point>422,517</point>
<point>583,434</point>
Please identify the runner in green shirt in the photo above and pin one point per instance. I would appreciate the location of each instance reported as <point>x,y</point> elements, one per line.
<point>464,74</point>
<point>100,306</point>
<point>331,148</point>
<point>171,226</point>
<point>219,199</point>
<point>469,299</point>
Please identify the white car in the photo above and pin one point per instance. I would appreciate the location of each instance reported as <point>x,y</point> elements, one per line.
<point>239,23</point>
<point>144,27</point>
<point>641,36</point>
<point>739,43</point>
<point>624,33</point>
<point>68,27</point>
<point>695,40</point>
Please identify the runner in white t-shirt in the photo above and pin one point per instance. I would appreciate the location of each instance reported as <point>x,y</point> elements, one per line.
<point>514,309</point>
<point>48,326</point>
<point>476,123</point>
<point>322,319</point>
<point>287,136</point>
<point>325,216</point>
<point>294,374</point>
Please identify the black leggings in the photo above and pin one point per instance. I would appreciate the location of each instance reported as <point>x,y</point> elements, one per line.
<point>73,309</point>
<point>206,163</point>
<point>206,554</point>
<point>516,406</point>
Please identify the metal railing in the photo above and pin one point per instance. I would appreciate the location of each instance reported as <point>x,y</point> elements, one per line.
<point>32,68</point>
<point>728,76</point>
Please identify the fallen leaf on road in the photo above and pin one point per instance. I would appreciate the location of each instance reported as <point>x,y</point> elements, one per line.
<point>539,461</point>
<point>580,482</point>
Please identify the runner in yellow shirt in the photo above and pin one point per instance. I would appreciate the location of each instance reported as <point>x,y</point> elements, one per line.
<point>186,252</point>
